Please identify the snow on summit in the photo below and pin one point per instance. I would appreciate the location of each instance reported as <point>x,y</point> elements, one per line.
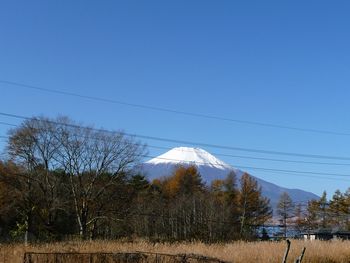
<point>188,155</point>
<point>207,164</point>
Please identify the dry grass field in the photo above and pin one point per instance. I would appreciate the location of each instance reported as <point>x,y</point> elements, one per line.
<point>237,252</point>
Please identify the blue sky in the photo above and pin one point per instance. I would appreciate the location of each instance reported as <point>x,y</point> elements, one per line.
<point>279,62</point>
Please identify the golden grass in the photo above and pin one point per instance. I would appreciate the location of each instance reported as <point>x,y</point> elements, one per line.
<point>237,252</point>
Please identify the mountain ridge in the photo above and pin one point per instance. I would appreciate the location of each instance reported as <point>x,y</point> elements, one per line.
<point>212,168</point>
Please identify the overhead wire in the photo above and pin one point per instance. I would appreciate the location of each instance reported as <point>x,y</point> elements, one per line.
<point>301,173</point>
<point>257,158</point>
<point>316,156</point>
<point>173,111</point>
<point>235,156</point>
<point>254,168</point>
<point>309,174</point>
<point>230,155</point>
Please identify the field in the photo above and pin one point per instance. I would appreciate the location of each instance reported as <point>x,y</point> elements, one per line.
<point>237,252</point>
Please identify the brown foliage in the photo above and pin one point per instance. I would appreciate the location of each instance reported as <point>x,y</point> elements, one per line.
<point>185,180</point>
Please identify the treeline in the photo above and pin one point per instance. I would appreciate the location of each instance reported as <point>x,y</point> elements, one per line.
<point>315,215</point>
<point>61,180</point>
<point>332,214</point>
<point>181,207</point>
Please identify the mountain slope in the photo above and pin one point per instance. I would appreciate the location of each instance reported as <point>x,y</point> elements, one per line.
<point>212,168</point>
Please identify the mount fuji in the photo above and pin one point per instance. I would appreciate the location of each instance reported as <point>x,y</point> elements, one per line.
<point>211,168</point>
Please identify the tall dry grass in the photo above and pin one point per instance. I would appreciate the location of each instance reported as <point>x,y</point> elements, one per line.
<point>237,252</point>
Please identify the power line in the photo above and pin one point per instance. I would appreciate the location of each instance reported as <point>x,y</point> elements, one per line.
<point>278,172</point>
<point>309,174</point>
<point>238,148</point>
<point>256,168</point>
<point>235,156</point>
<point>8,124</point>
<point>187,142</point>
<point>259,158</point>
<point>173,111</point>
<point>243,167</point>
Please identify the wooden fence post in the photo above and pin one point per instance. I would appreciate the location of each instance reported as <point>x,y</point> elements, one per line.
<point>300,258</point>
<point>27,257</point>
<point>286,252</point>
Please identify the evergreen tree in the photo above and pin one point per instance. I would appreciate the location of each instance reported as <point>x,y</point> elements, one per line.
<point>323,211</point>
<point>285,210</point>
<point>347,203</point>
<point>338,210</point>
<point>300,219</point>
<point>312,219</point>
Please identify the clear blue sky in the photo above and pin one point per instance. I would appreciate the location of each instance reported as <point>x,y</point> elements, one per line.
<point>281,62</point>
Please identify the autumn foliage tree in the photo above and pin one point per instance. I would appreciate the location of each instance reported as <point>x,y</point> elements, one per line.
<point>184,181</point>
<point>254,209</point>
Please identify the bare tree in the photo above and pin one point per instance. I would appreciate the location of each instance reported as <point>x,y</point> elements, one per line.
<point>95,161</point>
<point>34,145</point>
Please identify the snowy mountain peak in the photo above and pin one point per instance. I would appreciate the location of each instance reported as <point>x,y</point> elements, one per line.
<point>211,168</point>
<point>189,155</point>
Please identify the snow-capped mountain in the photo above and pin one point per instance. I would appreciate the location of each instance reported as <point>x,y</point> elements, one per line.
<point>212,168</point>
<point>208,165</point>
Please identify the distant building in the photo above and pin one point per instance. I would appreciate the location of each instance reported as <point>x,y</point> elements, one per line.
<point>326,234</point>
